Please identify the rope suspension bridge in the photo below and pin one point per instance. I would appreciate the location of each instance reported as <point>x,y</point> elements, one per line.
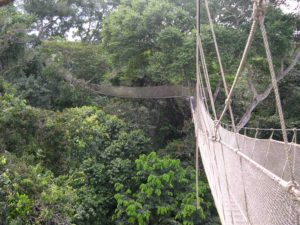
<point>253,181</point>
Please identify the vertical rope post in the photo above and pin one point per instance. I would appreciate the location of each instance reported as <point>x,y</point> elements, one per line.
<point>220,63</point>
<point>197,97</point>
<point>197,177</point>
<point>277,97</point>
<point>268,148</point>
<point>207,81</point>
<point>242,62</point>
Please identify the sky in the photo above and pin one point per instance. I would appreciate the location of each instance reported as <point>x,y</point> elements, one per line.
<point>293,6</point>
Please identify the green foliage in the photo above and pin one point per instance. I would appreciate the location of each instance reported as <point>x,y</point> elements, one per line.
<point>23,66</point>
<point>164,193</point>
<point>98,149</point>
<point>17,124</point>
<point>31,195</point>
<point>52,17</point>
<point>231,12</point>
<point>109,159</point>
<point>65,137</point>
<point>65,160</point>
<point>82,60</point>
<point>79,19</point>
<point>13,36</point>
<point>162,32</point>
<point>183,148</point>
<point>47,89</point>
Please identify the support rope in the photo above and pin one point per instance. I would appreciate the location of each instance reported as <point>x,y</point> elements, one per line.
<point>197,177</point>
<point>277,97</point>
<point>205,71</point>
<point>197,97</point>
<point>220,62</point>
<point>243,60</point>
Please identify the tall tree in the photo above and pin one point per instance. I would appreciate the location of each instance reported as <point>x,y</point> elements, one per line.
<point>150,42</point>
<point>69,18</point>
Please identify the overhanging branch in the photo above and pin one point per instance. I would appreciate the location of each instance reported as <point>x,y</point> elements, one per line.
<point>261,97</point>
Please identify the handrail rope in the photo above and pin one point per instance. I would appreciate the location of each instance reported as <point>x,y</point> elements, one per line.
<point>220,62</point>
<point>263,129</point>
<point>243,60</point>
<point>206,136</point>
<point>271,175</point>
<point>205,133</point>
<point>204,65</point>
<point>205,71</point>
<point>277,96</point>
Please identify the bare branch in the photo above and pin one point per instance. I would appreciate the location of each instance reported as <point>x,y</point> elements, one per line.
<point>261,97</point>
<point>250,82</point>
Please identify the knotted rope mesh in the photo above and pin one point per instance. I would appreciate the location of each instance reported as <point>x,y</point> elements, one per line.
<point>253,181</point>
<point>151,92</point>
<point>249,185</point>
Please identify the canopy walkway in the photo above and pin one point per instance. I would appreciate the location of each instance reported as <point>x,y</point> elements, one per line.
<point>249,177</point>
<point>157,92</point>
<point>253,181</point>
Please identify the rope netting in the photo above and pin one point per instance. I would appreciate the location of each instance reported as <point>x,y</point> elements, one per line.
<point>253,181</point>
<point>249,177</point>
<point>151,92</point>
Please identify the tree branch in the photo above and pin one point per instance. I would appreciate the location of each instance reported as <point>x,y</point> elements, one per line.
<point>218,88</point>
<point>5,2</point>
<point>261,97</point>
<point>250,82</point>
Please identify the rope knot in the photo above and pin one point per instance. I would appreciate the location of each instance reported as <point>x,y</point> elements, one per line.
<point>259,8</point>
<point>295,131</point>
<point>293,189</point>
<point>216,137</point>
<point>227,101</point>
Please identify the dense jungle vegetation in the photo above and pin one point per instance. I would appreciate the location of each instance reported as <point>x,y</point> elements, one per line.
<point>70,156</point>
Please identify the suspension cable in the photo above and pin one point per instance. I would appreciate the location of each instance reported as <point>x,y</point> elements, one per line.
<point>220,62</point>
<point>205,71</point>
<point>256,5</point>
<point>277,97</point>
